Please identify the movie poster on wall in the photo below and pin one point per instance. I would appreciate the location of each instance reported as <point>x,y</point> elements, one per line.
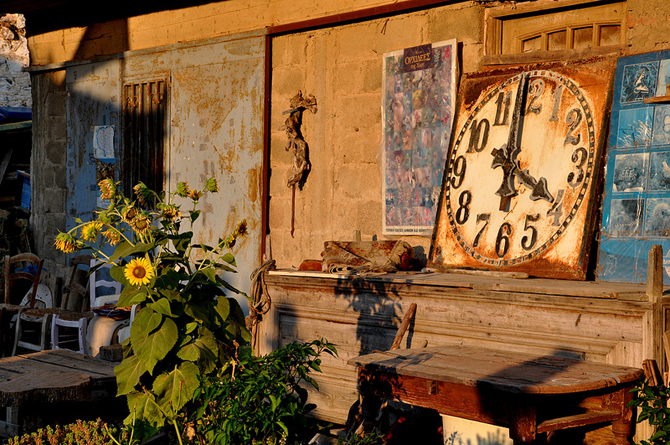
<point>636,207</point>
<point>418,101</point>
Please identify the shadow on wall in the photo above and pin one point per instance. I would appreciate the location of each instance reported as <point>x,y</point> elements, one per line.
<point>379,312</point>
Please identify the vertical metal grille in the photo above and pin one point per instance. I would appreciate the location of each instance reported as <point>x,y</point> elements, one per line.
<point>144,134</point>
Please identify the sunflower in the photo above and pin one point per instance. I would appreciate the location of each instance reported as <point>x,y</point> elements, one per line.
<point>171,213</point>
<point>129,214</point>
<point>113,237</point>
<point>142,192</point>
<point>140,223</point>
<point>183,189</point>
<point>66,243</point>
<point>90,231</point>
<point>212,185</point>
<point>242,228</point>
<point>195,195</point>
<point>107,188</point>
<point>139,271</point>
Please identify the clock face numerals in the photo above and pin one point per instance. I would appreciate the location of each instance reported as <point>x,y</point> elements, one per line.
<point>520,168</point>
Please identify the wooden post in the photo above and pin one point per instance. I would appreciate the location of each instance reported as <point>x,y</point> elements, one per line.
<point>654,294</point>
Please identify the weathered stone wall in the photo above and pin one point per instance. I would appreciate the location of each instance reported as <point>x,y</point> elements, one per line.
<point>342,68</point>
<point>48,206</point>
<point>14,57</point>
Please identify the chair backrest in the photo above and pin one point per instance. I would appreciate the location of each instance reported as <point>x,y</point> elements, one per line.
<point>100,286</point>
<point>15,272</point>
<point>40,298</point>
<point>74,284</point>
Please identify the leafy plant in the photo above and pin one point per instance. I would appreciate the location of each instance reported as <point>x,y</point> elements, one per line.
<point>652,403</point>
<point>262,402</point>
<point>186,327</point>
<point>79,433</point>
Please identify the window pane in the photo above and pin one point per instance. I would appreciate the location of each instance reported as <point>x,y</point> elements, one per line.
<point>532,44</point>
<point>556,41</point>
<point>583,38</point>
<point>610,35</point>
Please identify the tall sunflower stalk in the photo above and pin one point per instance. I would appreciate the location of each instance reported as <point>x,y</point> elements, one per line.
<point>186,326</point>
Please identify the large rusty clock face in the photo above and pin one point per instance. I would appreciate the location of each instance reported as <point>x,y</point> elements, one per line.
<point>521,168</point>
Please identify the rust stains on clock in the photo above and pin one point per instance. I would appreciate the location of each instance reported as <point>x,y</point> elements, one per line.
<point>521,177</point>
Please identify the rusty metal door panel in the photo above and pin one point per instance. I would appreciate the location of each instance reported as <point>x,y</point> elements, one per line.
<point>215,129</point>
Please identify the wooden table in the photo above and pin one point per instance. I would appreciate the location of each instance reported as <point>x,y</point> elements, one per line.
<point>48,378</point>
<point>528,394</point>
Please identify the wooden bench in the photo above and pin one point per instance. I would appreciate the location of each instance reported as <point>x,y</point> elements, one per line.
<point>528,394</point>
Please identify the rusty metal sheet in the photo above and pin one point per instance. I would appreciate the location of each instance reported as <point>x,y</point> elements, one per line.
<point>519,184</point>
<point>215,129</point>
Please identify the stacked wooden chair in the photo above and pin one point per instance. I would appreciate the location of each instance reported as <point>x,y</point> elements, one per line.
<point>80,321</point>
<point>20,283</point>
<point>33,324</point>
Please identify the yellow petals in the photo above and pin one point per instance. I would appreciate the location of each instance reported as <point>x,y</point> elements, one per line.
<point>139,271</point>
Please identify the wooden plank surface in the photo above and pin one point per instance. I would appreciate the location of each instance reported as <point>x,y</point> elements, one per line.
<point>531,285</point>
<point>511,372</point>
<point>50,376</point>
<point>71,360</point>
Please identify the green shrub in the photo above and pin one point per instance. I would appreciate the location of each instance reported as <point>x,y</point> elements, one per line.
<point>652,404</point>
<point>262,401</point>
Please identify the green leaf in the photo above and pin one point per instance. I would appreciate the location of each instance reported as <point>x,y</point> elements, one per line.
<point>143,407</point>
<point>146,321</point>
<point>132,295</point>
<point>162,306</point>
<point>128,374</point>
<point>125,249</point>
<point>182,241</point>
<point>116,272</point>
<point>229,258</point>
<point>222,308</point>
<point>176,388</point>
<point>274,402</point>
<point>155,346</point>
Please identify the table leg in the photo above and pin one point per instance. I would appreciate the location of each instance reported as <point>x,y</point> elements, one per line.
<point>623,428</point>
<point>523,427</point>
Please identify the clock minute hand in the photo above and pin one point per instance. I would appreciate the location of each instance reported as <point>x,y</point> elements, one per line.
<point>505,156</point>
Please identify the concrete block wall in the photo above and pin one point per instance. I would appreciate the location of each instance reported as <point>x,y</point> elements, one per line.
<point>342,67</point>
<point>49,158</point>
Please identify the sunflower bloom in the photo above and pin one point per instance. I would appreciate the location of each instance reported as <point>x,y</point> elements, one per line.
<point>66,243</point>
<point>212,185</point>
<point>140,223</point>
<point>129,214</point>
<point>242,228</point>
<point>107,188</point>
<point>112,236</point>
<point>139,271</point>
<point>170,213</point>
<point>142,192</point>
<point>195,195</point>
<point>91,230</point>
<point>183,189</point>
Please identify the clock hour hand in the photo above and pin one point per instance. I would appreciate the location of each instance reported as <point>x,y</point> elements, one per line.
<point>507,161</point>
<point>538,187</point>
